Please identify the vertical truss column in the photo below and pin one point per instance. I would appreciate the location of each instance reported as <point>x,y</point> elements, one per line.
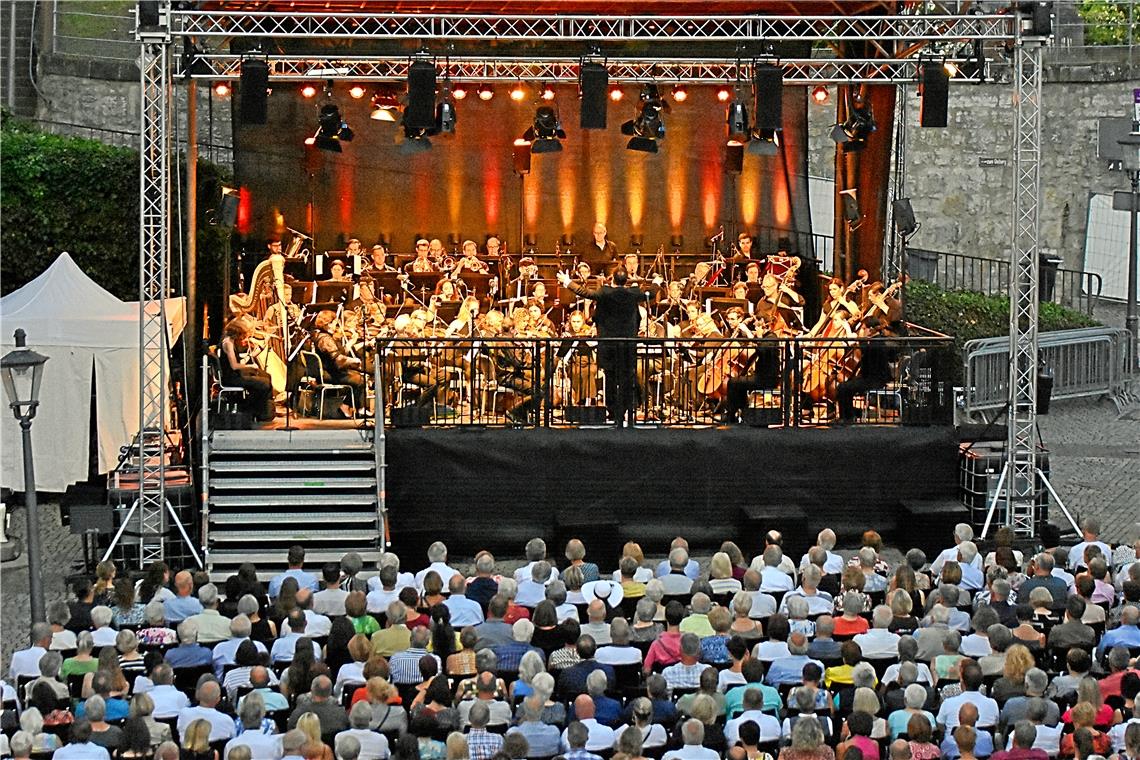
<point>892,242</point>
<point>154,247</point>
<point>1021,481</point>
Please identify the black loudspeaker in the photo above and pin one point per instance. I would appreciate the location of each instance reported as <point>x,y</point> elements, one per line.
<point>227,211</point>
<point>148,13</point>
<point>595,83</point>
<point>850,206</point>
<point>1038,21</point>
<point>935,95</point>
<point>419,113</point>
<point>254,91</point>
<point>734,158</point>
<point>769,113</point>
<point>905,222</point>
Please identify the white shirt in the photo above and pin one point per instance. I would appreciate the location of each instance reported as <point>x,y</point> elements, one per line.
<point>692,752</point>
<point>726,679</point>
<point>1077,553</point>
<point>974,646</point>
<point>656,736</point>
<point>769,726</point>
<point>315,625</point>
<point>530,593</point>
<point>775,579</point>
<point>676,583</point>
<point>600,738</point>
<point>878,643</point>
<point>771,650</point>
<point>951,555</point>
<point>285,646</point>
<point>819,603</point>
<point>1116,734</point>
<point>599,631</point>
<point>261,746</point>
<point>891,674</point>
<point>63,640</point>
<point>987,709</point>
<point>330,601</point>
<point>786,565</point>
<point>373,745</point>
<point>87,751</point>
<point>445,574</point>
<point>524,572</point>
<point>221,725</point>
<point>225,651</point>
<point>763,605</point>
<point>26,662</point>
<point>168,701</point>
<point>566,612</point>
<point>350,672</point>
<point>1048,740</point>
<point>642,575</point>
<point>378,599</point>
<point>104,637</point>
<point>833,565</point>
<point>612,654</point>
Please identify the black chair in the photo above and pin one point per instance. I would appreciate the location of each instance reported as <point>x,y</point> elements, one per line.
<point>347,691</point>
<point>186,679</point>
<point>172,722</point>
<point>627,680</point>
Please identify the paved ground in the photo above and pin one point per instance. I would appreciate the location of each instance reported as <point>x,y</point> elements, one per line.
<point>1095,462</point>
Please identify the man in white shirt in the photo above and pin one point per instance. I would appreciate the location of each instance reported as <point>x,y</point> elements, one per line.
<point>385,591</point>
<point>833,565</point>
<point>693,734</point>
<point>373,744</point>
<point>330,602</point>
<point>168,701</point>
<point>878,643</point>
<point>753,704</point>
<point>464,612</point>
<point>533,590</point>
<point>597,627</point>
<point>772,578</point>
<point>224,651</point>
<point>691,569</point>
<point>677,580</point>
<point>962,532</point>
<point>212,626</point>
<point>315,623</point>
<point>221,725</point>
<point>1090,534</point>
<point>619,651</point>
<point>971,677</point>
<point>26,662</point>
<point>819,602</point>
<point>598,737</point>
<point>437,557</point>
<point>535,553</point>
<point>284,647</point>
<point>261,746</point>
<point>786,566</point>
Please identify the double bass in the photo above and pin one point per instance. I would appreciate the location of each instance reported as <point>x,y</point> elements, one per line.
<point>728,362</point>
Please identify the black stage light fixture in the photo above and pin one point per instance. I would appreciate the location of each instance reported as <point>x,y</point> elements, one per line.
<point>148,14</point>
<point>1036,18</point>
<point>254,103</point>
<point>413,140</point>
<point>734,157</point>
<point>853,132</point>
<point>594,84</point>
<point>903,215</point>
<point>647,128</point>
<point>419,113</point>
<point>332,130</point>
<point>546,134</point>
<point>445,116</point>
<point>738,128</point>
<point>934,89</point>
<point>764,142</point>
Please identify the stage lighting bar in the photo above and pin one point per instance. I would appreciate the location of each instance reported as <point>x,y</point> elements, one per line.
<point>905,29</point>
<point>627,71</point>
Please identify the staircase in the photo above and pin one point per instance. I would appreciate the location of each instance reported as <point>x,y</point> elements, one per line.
<point>267,490</point>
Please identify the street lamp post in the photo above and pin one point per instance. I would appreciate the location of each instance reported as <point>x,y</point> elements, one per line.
<point>1130,158</point>
<point>21,371</point>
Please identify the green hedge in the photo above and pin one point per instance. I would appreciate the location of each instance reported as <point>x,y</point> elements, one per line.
<point>81,196</point>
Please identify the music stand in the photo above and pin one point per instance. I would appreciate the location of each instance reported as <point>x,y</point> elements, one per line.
<point>447,311</point>
<point>721,305</point>
<point>477,284</point>
<point>334,293</point>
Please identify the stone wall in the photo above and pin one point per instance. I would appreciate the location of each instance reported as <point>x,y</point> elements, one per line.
<point>960,179</point>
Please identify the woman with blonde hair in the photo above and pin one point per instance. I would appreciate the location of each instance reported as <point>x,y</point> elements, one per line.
<point>142,707</point>
<point>387,713</point>
<point>1018,661</point>
<point>720,575</point>
<point>1088,691</point>
<point>633,550</point>
<point>195,743</point>
<point>457,746</point>
<point>310,725</point>
<point>736,557</point>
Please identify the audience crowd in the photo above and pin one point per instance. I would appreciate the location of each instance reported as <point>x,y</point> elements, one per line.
<point>978,654</point>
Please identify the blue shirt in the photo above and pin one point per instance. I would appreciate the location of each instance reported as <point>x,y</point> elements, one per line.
<point>789,669</point>
<point>542,739</point>
<point>572,680</point>
<point>509,655</point>
<point>463,611</point>
<point>189,655</point>
<point>117,709</point>
<point>983,748</point>
<point>180,607</point>
<point>692,570</point>
<point>1124,636</point>
<point>304,580</point>
<point>734,699</point>
<point>607,711</point>
<point>714,649</point>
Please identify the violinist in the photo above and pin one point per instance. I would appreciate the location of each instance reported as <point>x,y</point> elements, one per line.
<point>515,368</point>
<point>465,319</point>
<point>670,305</point>
<point>469,261</point>
<point>697,280</point>
<point>540,325</point>
<point>237,373</point>
<point>838,297</point>
<point>882,305</point>
<point>760,370</point>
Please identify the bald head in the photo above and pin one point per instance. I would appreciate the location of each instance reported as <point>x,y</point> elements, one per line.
<point>583,707</point>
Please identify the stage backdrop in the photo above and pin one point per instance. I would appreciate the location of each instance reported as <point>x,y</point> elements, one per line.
<point>466,186</point>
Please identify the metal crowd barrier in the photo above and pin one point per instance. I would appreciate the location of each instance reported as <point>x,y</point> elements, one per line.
<point>1089,362</point>
<point>560,382</point>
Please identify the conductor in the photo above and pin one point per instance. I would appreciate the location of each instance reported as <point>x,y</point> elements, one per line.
<point>616,316</point>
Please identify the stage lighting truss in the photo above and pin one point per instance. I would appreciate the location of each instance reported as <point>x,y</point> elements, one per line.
<point>622,71</point>
<point>647,128</point>
<point>852,132</point>
<point>546,134</point>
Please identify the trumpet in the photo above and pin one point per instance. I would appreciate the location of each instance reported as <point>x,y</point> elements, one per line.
<point>448,262</point>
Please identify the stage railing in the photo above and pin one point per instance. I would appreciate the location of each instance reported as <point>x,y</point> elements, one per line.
<point>1089,362</point>
<point>560,382</point>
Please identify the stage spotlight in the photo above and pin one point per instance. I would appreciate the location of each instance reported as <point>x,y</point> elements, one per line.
<point>616,93</point>
<point>680,93</point>
<point>357,92</point>
<point>414,141</point>
<point>459,92</point>
<point>548,92</point>
<point>819,95</point>
<point>221,89</point>
<point>951,69</point>
<point>723,94</point>
<point>738,119</point>
<point>485,92</point>
<point>518,93</point>
<point>764,142</point>
<point>546,134</point>
<point>853,132</point>
<point>309,91</point>
<point>385,106</point>
<point>332,130</point>
<point>445,117</point>
<point>520,153</point>
<point>645,130</point>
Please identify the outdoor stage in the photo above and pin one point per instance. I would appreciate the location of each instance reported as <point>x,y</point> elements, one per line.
<point>480,488</point>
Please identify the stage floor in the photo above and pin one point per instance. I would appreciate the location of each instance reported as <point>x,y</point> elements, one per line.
<point>486,488</point>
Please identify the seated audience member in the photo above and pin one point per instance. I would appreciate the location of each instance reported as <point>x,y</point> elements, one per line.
<point>983,741</point>
<point>208,695</point>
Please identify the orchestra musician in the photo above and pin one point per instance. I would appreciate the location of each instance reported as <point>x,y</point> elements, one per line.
<point>466,319</point>
<point>436,251</point>
<point>582,272</point>
<point>515,368</point>
<point>615,316</point>
<point>338,272</point>
<point>235,372</point>
<point>493,245</point>
<point>752,273</point>
<point>874,370</point>
<point>445,292</point>
<point>378,261</point>
<point>469,261</point>
<point>837,298</point>
<point>421,263</point>
<point>786,301</point>
<point>632,264</point>
<point>761,369</point>
<point>518,287</point>
<point>601,253</point>
<point>884,307</point>
<point>338,365</point>
<point>576,374</point>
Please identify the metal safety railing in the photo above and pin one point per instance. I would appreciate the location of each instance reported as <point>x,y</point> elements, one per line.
<point>94,30</point>
<point>570,381</point>
<point>1083,363</point>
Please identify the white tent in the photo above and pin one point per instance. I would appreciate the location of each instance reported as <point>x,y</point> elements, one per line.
<point>79,326</point>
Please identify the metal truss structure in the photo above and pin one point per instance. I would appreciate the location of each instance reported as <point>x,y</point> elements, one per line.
<point>908,33</point>
<point>797,71</point>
